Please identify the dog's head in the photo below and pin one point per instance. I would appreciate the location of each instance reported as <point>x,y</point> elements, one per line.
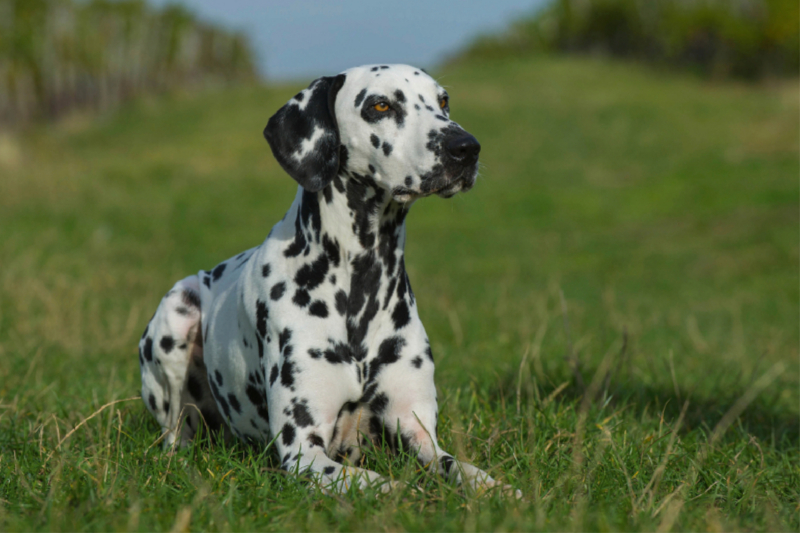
<point>388,122</point>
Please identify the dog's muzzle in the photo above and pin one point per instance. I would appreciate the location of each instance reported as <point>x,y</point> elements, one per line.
<point>460,163</point>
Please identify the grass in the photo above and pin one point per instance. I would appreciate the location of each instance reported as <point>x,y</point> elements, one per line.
<point>613,309</point>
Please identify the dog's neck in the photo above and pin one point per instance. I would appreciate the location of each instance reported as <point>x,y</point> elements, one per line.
<point>355,215</point>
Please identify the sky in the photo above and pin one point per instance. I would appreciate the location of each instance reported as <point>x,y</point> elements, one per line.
<point>299,39</point>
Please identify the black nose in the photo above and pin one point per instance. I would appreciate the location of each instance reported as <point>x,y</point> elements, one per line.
<point>463,147</point>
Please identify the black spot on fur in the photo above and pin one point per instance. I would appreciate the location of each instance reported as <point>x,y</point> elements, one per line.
<point>428,351</point>
<point>331,248</point>
<point>261,318</point>
<point>341,302</point>
<point>379,403</point>
<point>152,400</point>
<point>339,353</point>
<point>400,315</point>
<point>319,308</point>
<point>301,415</point>
<point>311,275</point>
<point>277,291</point>
<point>265,270</point>
<point>287,434</point>
<point>409,181</point>
<point>401,290</point>
<point>388,353</point>
<point>260,344</point>
<point>316,440</point>
<point>273,375</point>
<point>387,148</point>
<point>284,338</point>
<point>167,343</point>
<point>301,297</point>
<point>253,395</point>
<point>148,349</point>
<point>328,470</point>
<point>376,142</point>
<point>219,377</point>
<point>234,401</point>
<point>360,97</point>
<point>218,271</point>
<point>287,374</point>
<point>389,292</point>
<point>416,362</point>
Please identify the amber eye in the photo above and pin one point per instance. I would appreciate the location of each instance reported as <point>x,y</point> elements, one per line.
<point>383,106</point>
<point>443,103</point>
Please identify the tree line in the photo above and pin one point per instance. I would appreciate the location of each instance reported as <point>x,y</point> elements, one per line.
<point>748,39</point>
<point>58,55</point>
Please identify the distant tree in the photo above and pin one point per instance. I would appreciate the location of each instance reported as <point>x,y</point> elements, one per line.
<point>57,55</point>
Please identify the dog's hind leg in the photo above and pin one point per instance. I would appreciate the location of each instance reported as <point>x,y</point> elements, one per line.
<point>174,383</point>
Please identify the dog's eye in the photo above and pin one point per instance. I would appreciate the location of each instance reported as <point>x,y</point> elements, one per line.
<point>443,103</point>
<point>382,106</point>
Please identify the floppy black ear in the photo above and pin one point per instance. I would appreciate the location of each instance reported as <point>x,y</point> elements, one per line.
<point>304,136</point>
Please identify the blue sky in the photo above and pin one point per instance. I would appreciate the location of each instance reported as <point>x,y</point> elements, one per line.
<point>299,39</point>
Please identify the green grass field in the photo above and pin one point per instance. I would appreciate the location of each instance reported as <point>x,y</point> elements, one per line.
<point>640,223</point>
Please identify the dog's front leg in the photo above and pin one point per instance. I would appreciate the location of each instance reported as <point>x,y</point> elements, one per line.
<point>411,405</point>
<point>418,426</point>
<point>305,430</point>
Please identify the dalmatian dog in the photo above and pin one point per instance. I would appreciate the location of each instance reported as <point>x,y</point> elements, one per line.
<point>312,339</point>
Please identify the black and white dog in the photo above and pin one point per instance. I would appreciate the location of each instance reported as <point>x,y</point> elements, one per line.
<point>313,337</point>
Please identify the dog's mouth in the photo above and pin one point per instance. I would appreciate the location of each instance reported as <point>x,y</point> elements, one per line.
<point>439,184</point>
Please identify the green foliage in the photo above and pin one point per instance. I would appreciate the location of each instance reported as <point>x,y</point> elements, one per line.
<point>643,224</point>
<point>718,38</point>
<point>57,55</point>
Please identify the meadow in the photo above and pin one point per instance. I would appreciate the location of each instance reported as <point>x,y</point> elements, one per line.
<point>613,308</point>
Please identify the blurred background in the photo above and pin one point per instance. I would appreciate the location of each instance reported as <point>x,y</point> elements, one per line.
<point>60,54</point>
<point>638,211</point>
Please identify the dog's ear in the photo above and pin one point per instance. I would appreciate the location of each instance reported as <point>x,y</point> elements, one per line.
<point>304,135</point>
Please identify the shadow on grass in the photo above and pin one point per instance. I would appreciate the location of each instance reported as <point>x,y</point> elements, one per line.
<point>767,417</point>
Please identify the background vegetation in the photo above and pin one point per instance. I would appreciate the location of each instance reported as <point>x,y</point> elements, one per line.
<point>58,55</point>
<point>717,38</point>
<point>613,309</point>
